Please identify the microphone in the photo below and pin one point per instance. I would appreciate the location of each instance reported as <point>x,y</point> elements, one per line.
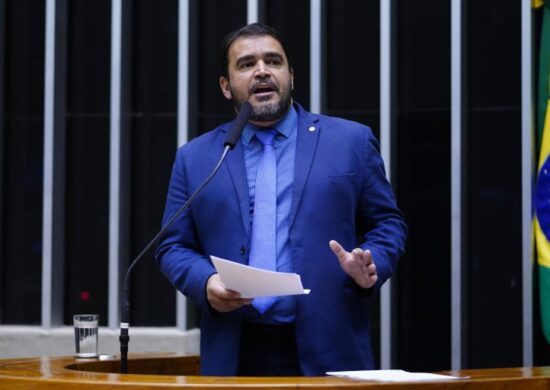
<point>244,114</point>
<point>232,137</point>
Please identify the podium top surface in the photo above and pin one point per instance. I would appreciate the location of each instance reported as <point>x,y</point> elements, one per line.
<point>165,371</point>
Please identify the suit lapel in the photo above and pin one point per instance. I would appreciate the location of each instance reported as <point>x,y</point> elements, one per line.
<point>237,172</point>
<point>306,144</point>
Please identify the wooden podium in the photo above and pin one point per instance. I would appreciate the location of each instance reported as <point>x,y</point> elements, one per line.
<point>174,371</point>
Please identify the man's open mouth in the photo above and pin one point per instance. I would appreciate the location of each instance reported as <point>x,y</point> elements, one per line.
<point>263,88</point>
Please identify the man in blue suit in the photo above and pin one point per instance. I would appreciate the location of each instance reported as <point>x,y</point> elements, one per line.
<point>335,223</point>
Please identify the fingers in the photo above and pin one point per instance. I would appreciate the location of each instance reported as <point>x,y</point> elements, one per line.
<point>370,270</point>
<point>222,299</point>
<point>218,289</point>
<point>362,256</point>
<point>367,263</point>
<point>358,264</point>
<point>225,306</point>
<point>357,254</point>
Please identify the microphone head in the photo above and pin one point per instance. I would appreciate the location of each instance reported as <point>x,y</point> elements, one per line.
<point>245,110</point>
<point>244,115</point>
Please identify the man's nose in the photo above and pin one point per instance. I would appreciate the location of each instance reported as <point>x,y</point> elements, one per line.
<point>262,70</point>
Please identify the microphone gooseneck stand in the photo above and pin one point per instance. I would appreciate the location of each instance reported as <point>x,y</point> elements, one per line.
<point>234,134</point>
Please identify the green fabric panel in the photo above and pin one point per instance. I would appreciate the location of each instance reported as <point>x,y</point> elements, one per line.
<point>544,70</point>
<point>544,274</point>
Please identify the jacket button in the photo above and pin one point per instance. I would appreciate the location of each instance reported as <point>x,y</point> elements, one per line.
<point>243,250</point>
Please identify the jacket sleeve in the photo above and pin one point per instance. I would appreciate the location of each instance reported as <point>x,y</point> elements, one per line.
<point>380,221</point>
<point>179,254</point>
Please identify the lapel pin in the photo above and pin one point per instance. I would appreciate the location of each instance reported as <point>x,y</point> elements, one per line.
<point>312,128</point>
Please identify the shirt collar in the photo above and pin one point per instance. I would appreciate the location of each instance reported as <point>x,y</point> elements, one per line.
<point>284,126</point>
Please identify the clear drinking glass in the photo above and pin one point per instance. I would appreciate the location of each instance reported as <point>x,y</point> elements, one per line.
<point>85,335</point>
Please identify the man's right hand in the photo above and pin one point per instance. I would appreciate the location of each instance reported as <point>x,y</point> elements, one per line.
<point>222,299</point>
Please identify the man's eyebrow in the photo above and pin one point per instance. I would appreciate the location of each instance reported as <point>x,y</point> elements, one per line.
<point>274,54</point>
<point>248,57</point>
<point>244,58</point>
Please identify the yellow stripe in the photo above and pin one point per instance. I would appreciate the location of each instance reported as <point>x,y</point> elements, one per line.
<point>543,246</point>
<point>538,3</point>
<point>545,146</point>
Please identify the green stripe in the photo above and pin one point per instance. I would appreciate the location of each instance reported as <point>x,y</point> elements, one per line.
<point>544,280</point>
<point>544,71</point>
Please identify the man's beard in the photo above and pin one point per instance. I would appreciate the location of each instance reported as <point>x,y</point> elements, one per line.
<point>268,112</point>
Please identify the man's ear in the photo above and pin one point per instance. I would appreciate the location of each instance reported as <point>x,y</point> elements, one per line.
<point>224,86</point>
<point>291,79</point>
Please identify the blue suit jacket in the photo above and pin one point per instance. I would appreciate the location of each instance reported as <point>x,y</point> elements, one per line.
<point>340,193</point>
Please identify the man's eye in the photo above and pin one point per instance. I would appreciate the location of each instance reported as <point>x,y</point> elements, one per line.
<point>275,62</point>
<point>245,65</point>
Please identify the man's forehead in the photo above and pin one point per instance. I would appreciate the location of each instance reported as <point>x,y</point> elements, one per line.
<point>255,46</point>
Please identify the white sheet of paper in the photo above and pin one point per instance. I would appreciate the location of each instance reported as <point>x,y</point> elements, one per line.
<point>392,375</point>
<point>254,282</point>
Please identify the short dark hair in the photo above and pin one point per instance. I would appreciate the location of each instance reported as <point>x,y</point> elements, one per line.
<point>250,30</point>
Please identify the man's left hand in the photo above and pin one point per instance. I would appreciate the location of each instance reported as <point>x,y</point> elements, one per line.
<point>358,264</point>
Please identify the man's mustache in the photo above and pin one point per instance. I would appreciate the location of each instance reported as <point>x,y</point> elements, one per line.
<point>263,82</point>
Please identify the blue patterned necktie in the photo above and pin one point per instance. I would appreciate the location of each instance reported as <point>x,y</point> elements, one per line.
<point>263,251</point>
